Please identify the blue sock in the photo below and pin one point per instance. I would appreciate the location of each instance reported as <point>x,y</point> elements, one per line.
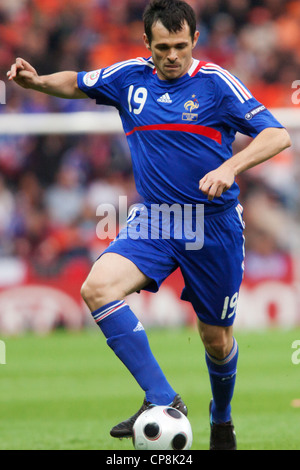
<point>127,338</point>
<point>222,378</point>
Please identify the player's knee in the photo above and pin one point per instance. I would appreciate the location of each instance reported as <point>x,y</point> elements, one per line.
<point>98,293</point>
<point>93,294</point>
<point>217,345</point>
<point>86,292</point>
<point>218,349</point>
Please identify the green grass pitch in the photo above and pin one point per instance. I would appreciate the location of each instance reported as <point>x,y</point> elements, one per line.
<point>66,390</point>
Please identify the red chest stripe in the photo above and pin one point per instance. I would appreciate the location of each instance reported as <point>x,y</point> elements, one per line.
<point>190,128</point>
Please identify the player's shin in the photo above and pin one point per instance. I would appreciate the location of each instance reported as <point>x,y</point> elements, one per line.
<point>222,375</point>
<point>127,338</point>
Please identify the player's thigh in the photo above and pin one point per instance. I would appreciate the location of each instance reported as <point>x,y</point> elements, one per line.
<point>112,277</point>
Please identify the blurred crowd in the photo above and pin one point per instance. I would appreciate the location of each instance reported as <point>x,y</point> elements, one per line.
<point>50,186</point>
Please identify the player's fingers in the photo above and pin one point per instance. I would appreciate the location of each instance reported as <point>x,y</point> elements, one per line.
<point>204,185</point>
<point>211,193</point>
<point>202,181</point>
<point>219,192</point>
<point>205,189</point>
<point>208,189</point>
<point>216,190</point>
<point>19,64</point>
<point>12,73</point>
<point>221,189</point>
<point>225,188</point>
<point>26,65</point>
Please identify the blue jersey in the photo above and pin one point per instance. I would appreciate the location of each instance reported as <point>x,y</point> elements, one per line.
<point>178,130</point>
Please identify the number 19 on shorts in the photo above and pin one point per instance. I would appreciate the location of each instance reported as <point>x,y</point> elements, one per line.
<point>230,306</point>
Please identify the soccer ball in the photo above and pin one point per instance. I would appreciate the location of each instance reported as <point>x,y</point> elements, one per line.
<point>162,428</point>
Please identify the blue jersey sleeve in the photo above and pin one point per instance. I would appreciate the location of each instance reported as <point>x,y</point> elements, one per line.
<point>238,108</point>
<point>101,86</point>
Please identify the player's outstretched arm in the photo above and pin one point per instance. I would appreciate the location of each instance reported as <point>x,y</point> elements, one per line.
<point>61,84</point>
<point>266,145</point>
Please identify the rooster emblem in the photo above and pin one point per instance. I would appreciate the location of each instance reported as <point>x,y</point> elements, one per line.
<point>191,105</point>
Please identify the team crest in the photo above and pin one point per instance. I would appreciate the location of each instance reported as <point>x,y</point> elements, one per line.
<point>191,106</point>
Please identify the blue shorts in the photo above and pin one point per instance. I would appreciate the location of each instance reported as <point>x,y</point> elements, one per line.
<point>212,273</point>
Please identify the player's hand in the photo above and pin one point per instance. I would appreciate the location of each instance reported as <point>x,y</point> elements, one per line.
<point>217,182</point>
<point>23,73</point>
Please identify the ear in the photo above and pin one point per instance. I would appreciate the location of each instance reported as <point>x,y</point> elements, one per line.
<point>146,42</point>
<point>196,37</point>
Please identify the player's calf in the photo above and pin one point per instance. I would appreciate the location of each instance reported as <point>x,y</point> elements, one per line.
<point>112,278</point>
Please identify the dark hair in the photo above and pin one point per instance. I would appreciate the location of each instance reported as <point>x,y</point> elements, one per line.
<point>172,14</point>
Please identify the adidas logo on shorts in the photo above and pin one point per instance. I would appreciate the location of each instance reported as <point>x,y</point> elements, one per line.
<point>165,98</point>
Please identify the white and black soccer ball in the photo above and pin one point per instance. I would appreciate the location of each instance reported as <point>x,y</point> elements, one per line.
<point>162,428</point>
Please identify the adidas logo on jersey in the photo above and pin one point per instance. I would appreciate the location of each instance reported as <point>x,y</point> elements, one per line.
<point>165,98</point>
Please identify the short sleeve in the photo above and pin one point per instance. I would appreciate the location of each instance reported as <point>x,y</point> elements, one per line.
<point>238,109</point>
<point>96,85</point>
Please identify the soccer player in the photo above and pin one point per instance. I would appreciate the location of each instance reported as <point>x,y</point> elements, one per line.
<point>180,116</point>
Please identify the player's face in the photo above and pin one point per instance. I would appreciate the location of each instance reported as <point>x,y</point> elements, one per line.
<point>171,52</point>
